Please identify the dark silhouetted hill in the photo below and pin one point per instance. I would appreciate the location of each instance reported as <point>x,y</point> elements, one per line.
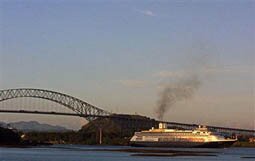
<point>9,137</point>
<point>33,126</point>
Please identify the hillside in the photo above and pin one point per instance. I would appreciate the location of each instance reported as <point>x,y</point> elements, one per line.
<point>9,137</point>
<point>33,126</point>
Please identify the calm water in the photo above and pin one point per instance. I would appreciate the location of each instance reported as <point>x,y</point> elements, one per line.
<point>79,153</point>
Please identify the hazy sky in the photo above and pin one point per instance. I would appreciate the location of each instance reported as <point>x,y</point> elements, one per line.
<point>118,55</point>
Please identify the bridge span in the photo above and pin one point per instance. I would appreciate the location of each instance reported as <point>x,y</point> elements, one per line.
<point>90,112</point>
<point>80,107</point>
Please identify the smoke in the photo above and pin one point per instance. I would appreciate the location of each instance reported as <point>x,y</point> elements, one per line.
<point>184,83</point>
<point>177,91</point>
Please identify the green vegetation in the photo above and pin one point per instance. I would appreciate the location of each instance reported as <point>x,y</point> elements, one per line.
<point>9,137</point>
<point>244,144</point>
<point>244,141</point>
<point>52,137</point>
<point>89,134</point>
<point>112,133</point>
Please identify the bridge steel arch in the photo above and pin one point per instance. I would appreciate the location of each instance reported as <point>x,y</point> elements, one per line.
<point>80,107</point>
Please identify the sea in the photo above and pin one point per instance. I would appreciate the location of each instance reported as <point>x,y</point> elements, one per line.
<point>98,153</point>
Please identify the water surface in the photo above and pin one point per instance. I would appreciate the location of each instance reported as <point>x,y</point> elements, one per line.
<point>83,153</point>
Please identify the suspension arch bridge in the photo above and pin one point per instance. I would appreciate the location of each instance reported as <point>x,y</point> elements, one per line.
<point>90,112</point>
<point>79,107</point>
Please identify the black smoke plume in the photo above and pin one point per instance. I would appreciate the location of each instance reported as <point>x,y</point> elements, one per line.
<point>176,91</point>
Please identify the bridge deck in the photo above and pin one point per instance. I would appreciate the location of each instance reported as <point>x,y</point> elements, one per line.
<point>252,132</point>
<point>49,113</point>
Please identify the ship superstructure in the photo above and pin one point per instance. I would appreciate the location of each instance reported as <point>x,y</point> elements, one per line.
<point>164,137</point>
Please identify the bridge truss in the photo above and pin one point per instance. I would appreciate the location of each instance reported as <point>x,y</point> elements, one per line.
<point>80,107</point>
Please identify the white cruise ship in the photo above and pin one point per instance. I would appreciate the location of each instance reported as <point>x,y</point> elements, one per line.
<point>163,137</point>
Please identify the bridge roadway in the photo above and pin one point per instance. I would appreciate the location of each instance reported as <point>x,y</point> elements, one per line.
<point>47,113</point>
<point>215,128</point>
<point>60,113</point>
<point>135,121</point>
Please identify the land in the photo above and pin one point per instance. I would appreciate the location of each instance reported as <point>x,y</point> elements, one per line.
<point>33,126</point>
<point>9,137</point>
<point>12,138</point>
<point>89,134</point>
<point>244,144</point>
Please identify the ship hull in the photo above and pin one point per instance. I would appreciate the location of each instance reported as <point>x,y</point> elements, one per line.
<point>216,144</point>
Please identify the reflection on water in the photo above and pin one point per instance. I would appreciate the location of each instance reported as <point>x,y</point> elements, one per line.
<point>85,153</point>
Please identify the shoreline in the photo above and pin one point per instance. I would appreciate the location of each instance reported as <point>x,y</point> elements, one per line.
<point>38,144</point>
<point>241,144</point>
